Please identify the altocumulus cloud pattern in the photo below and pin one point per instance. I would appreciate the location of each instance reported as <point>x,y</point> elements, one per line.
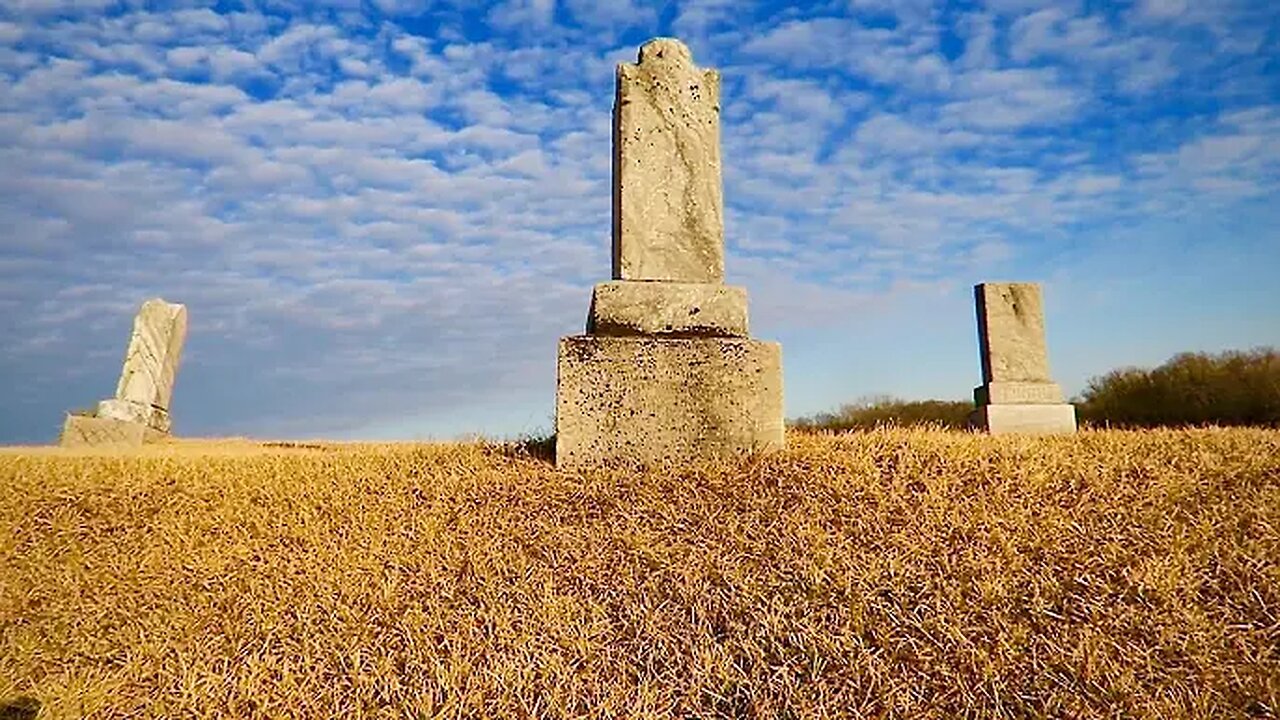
<point>387,210</point>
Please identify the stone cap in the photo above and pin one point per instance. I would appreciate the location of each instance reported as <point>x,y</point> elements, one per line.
<point>665,50</point>
<point>1018,393</point>
<point>668,309</point>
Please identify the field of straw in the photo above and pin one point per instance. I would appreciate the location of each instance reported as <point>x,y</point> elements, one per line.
<point>894,573</point>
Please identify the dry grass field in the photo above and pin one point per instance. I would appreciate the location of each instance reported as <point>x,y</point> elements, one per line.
<point>895,573</point>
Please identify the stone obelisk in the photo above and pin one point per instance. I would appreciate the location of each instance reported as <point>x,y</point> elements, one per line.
<point>1017,394</point>
<point>666,370</point>
<point>139,412</point>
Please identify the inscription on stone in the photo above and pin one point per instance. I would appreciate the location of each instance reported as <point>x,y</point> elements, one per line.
<point>1017,393</point>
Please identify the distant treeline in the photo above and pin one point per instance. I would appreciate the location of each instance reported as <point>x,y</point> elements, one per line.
<point>871,412</point>
<point>1230,388</point>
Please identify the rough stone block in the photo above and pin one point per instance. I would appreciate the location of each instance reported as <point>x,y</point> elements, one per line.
<point>1025,393</point>
<point>88,431</point>
<point>155,349</point>
<point>668,205</point>
<point>668,309</point>
<point>678,399</point>
<point>1011,333</point>
<point>149,415</point>
<point>1027,419</point>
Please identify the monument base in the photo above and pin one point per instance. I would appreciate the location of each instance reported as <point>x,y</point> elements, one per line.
<point>1018,393</point>
<point>1027,419</point>
<point>656,399</point>
<point>90,431</point>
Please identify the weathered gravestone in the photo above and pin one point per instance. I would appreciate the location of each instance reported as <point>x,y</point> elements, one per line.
<point>666,370</point>
<point>1017,395</point>
<point>139,412</point>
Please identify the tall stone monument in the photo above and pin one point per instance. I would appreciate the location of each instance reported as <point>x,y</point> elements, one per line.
<point>1017,394</point>
<point>139,412</point>
<point>666,369</point>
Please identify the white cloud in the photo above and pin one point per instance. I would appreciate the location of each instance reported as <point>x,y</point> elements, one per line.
<point>228,64</point>
<point>695,17</point>
<point>10,32</point>
<point>979,32</point>
<point>621,13</point>
<point>896,135</point>
<point>1211,154</point>
<point>513,14</point>
<point>40,7</point>
<point>1163,9</point>
<point>1094,184</point>
<point>1011,99</point>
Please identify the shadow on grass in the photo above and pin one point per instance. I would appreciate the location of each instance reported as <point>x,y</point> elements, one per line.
<point>19,708</point>
<point>531,448</point>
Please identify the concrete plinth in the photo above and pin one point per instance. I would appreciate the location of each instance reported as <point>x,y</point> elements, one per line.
<point>657,399</point>
<point>89,431</point>
<point>1027,419</point>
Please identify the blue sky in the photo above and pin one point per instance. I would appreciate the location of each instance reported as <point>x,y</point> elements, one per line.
<point>382,215</point>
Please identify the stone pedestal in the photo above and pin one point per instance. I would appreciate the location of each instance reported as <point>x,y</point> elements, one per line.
<point>1017,394</point>
<point>666,371</point>
<point>655,399</point>
<point>1027,419</point>
<point>90,431</point>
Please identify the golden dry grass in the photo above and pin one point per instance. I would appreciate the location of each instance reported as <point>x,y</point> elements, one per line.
<point>896,573</point>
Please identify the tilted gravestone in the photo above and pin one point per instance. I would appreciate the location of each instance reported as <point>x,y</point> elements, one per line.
<point>1017,395</point>
<point>666,370</point>
<point>139,412</point>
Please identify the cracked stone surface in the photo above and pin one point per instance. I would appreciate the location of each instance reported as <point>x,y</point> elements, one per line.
<point>149,415</point>
<point>668,208</point>
<point>151,362</point>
